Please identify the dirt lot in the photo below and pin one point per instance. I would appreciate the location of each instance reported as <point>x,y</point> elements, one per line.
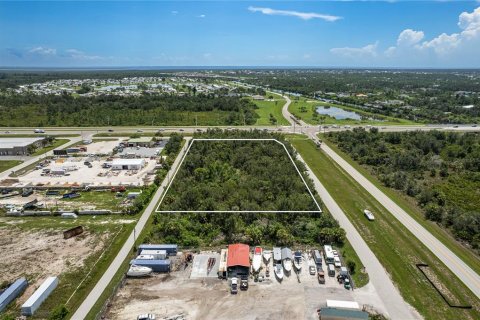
<point>38,254</point>
<point>92,200</point>
<point>209,298</point>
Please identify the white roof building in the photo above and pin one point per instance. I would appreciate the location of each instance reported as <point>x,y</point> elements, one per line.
<point>128,164</point>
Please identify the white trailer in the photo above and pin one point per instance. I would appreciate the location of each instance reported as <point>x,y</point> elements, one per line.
<point>157,254</point>
<point>37,298</point>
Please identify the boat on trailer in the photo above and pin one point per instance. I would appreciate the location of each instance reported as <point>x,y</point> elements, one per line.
<point>257,259</point>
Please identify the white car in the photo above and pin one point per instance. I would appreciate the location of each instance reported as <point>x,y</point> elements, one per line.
<point>146,316</point>
<point>369,215</point>
<point>337,262</point>
<point>335,253</point>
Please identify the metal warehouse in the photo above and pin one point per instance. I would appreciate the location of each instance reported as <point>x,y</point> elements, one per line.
<point>128,164</point>
<point>140,142</point>
<point>18,146</point>
<point>238,260</point>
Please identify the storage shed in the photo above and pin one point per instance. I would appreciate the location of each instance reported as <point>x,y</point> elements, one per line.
<point>238,260</point>
<point>37,298</point>
<point>128,164</point>
<point>156,265</point>
<point>171,249</point>
<point>12,292</point>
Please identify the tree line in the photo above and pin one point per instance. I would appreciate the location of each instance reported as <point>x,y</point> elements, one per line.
<point>67,110</point>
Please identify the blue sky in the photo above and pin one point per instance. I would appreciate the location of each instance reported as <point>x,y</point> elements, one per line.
<point>240,33</point>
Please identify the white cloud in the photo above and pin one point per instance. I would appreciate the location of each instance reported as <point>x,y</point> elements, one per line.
<point>409,37</point>
<point>174,12</point>
<point>442,44</point>
<point>80,55</point>
<point>301,15</point>
<point>370,50</point>
<point>43,51</point>
<point>201,16</point>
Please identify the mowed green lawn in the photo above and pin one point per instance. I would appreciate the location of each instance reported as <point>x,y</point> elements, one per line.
<point>7,164</point>
<point>396,247</point>
<point>303,108</point>
<point>267,107</point>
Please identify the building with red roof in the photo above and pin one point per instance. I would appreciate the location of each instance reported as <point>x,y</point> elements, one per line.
<point>238,260</point>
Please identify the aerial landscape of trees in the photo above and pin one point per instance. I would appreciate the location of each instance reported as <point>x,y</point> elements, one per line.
<point>433,96</point>
<point>67,110</point>
<point>439,170</point>
<point>242,176</point>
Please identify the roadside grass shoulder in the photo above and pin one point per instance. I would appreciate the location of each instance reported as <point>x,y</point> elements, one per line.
<point>407,204</point>
<point>395,246</point>
<point>56,143</point>
<point>7,164</point>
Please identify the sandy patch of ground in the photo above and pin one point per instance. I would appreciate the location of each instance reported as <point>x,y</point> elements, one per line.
<point>39,254</point>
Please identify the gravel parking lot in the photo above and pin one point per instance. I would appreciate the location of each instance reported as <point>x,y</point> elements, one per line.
<point>81,174</point>
<point>208,298</point>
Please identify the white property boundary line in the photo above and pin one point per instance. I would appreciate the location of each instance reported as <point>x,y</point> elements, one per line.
<point>235,211</point>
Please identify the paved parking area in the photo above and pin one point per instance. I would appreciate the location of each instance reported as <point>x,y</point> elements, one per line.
<point>200,264</point>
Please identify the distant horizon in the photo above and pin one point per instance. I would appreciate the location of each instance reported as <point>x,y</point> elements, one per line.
<point>220,67</point>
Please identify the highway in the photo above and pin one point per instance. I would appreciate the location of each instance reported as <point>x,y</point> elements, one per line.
<point>469,277</point>
<point>82,311</point>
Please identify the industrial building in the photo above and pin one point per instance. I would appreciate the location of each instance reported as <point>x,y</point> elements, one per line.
<point>140,142</point>
<point>342,310</point>
<point>128,164</point>
<point>238,260</point>
<point>18,146</point>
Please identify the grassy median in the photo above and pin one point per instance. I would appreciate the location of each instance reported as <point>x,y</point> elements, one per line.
<point>409,206</point>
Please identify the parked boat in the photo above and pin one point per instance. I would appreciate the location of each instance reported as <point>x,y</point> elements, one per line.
<point>257,259</point>
<point>279,271</point>
<point>277,261</point>
<point>287,259</point>
<point>267,255</point>
<point>297,260</point>
<point>139,271</point>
